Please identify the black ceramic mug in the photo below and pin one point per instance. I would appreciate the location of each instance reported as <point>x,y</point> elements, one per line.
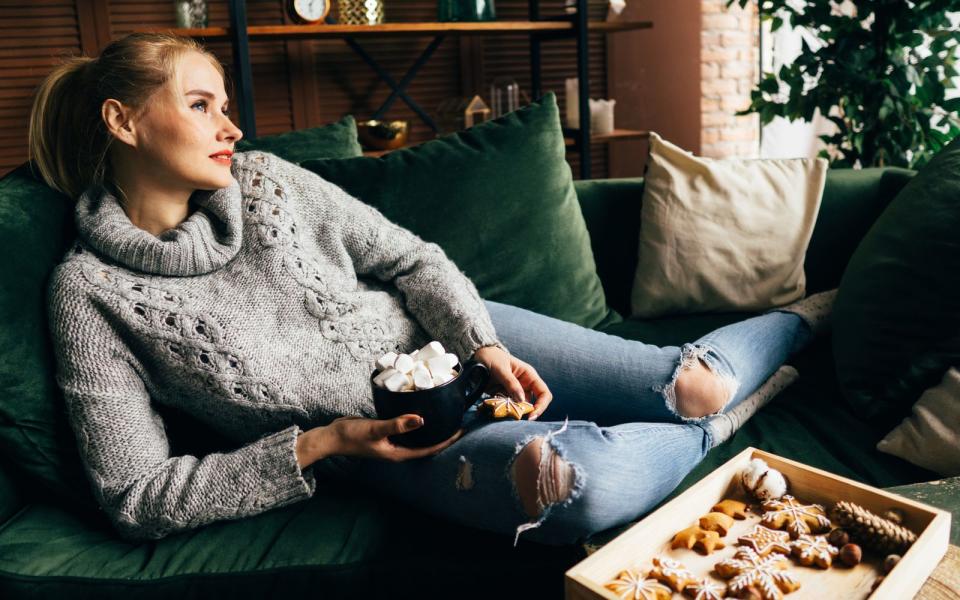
<point>441,407</point>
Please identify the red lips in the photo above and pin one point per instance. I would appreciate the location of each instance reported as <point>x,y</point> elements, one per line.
<point>223,154</point>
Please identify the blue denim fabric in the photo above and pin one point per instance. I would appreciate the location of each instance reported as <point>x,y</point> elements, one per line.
<point>611,418</point>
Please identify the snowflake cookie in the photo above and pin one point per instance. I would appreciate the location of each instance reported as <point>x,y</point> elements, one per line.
<point>671,573</point>
<point>704,589</point>
<point>764,541</point>
<point>766,575</point>
<point>814,550</point>
<point>798,519</point>
<point>631,584</point>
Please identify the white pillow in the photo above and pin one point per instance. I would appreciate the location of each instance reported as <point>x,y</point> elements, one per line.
<point>723,234</point>
<point>930,437</point>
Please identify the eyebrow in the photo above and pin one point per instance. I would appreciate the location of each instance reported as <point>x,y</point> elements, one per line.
<point>204,93</point>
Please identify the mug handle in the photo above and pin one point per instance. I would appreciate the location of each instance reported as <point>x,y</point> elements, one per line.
<point>473,370</point>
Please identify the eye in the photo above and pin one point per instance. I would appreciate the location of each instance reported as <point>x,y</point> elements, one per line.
<point>199,103</point>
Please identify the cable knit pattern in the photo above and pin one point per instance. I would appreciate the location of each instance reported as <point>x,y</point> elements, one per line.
<point>261,315</point>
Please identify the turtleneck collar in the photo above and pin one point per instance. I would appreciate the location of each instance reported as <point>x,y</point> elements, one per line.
<point>205,241</point>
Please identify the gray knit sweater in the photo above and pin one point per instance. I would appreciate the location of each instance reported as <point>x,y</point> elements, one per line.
<point>261,314</point>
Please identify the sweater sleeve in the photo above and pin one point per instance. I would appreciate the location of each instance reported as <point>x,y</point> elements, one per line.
<point>444,300</point>
<point>146,493</point>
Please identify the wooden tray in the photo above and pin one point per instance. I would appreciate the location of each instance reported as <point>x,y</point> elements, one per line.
<point>651,537</point>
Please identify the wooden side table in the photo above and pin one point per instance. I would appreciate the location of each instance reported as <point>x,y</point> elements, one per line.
<point>944,582</point>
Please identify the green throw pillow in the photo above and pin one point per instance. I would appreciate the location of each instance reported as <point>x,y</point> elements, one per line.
<point>36,224</point>
<point>499,199</point>
<point>336,140</point>
<point>896,319</point>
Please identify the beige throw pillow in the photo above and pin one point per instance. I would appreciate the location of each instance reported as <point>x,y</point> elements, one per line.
<point>723,234</point>
<point>930,437</point>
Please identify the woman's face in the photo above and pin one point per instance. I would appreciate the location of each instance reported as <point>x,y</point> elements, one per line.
<point>182,129</point>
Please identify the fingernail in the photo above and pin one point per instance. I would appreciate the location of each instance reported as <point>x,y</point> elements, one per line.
<point>413,423</point>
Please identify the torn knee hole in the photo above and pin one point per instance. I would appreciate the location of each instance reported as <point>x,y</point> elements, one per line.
<point>541,476</point>
<point>700,391</point>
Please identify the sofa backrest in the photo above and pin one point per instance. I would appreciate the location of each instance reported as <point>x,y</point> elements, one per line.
<point>852,201</point>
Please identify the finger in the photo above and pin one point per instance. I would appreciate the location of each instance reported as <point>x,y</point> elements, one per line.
<point>404,453</point>
<point>544,397</point>
<point>510,382</point>
<point>400,424</point>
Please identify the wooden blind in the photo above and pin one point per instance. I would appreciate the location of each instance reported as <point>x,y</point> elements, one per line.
<point>297,84</point>
<point>32,36</point>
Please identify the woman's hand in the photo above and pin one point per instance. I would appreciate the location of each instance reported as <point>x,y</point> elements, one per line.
<point>516,377</point>
<point>359,436</point>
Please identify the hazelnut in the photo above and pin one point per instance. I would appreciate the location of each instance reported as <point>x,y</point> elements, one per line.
<point>895,515</point>
<point>876,583</point>
<point>850,555</point>
<point>890,562</point>
<point>838,538</point>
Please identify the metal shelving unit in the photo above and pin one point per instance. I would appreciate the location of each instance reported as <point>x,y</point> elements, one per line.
<point>539,29</point>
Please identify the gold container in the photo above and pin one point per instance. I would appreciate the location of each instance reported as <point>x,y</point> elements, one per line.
<point>361,12</point>
<point>382,135</point>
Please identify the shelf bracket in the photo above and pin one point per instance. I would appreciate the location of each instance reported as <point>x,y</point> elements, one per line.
<point>399,89</point>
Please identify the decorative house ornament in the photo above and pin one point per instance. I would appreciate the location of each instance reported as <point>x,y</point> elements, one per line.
<point>308,11</point>
<point>455,114</point>
<point>361,12</point>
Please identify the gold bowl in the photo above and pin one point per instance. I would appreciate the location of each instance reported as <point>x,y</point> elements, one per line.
<point>382,135</point>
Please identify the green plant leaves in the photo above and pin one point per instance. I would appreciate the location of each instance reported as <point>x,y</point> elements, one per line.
<point>871,77</point>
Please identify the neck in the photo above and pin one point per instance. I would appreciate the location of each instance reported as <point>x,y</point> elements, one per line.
<point>152,207</point>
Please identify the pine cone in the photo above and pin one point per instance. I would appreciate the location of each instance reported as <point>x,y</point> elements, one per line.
<point>870,530</point>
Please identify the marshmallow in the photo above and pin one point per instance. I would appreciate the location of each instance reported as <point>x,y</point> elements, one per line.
<point>386,361</point>
<point>397,382</point>
<point>422,378</point>
<point>404,363</point>
<point>431,350</point>
<point>383,375</point>
<point>442,377</point>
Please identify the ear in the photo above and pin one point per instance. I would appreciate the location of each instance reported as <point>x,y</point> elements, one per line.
<point>117,118</point>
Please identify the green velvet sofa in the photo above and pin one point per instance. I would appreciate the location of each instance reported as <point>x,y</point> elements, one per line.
<point>353,544</point>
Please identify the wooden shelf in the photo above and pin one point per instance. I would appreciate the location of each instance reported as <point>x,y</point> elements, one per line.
<point>616,134</point>
<point>260,32</point>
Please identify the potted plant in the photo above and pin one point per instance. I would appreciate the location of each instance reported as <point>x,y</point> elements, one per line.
<point>881,76</point>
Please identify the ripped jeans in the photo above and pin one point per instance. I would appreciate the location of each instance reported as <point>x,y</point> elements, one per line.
<point>612,418</point>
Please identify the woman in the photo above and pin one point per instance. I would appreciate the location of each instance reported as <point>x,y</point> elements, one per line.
<point>255,295</point>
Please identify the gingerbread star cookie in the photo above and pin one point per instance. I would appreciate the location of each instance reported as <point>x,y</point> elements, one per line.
<point>765,574</point>
<point>672,573</point>
<point>716,521</point>
<point>731,508</point>
<point>765,541</point>
<point>699,539</point>
<point>814,550</point>
<point>798,519</point>
<point>632,585</point>
<point>705,589</point>
<point>504,406</point>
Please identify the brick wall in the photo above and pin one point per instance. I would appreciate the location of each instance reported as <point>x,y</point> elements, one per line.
<point>729,56</point>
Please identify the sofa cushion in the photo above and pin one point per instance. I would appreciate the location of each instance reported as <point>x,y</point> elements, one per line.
<point>336,544</point>
<point>336,140</point>
<point>895,320</point>
<point>36,224</point>
<point>723,235</point>
<point>499,199</point>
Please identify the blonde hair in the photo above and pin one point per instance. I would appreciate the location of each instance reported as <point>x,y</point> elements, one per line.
<point>68,139</point>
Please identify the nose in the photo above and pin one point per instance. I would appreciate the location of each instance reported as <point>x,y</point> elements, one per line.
<point>229,131</point>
